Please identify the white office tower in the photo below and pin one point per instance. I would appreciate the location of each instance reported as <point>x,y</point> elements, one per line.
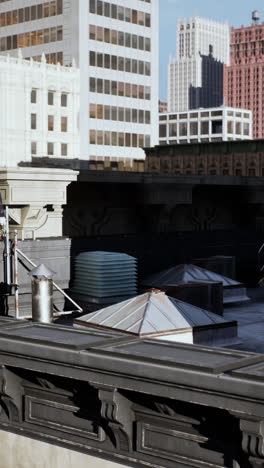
<point>195,76</point>
<point>39,110</point>
<point>115,45</point>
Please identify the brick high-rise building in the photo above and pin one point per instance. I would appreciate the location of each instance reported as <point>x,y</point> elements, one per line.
<point>244,78</point>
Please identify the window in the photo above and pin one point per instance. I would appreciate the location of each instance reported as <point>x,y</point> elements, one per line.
<point>92,137</point>
<point>50,98</point>
<point>230,127</point>
<point>107,138</point>
<point>121,139</point>
<point>147,141</point>
<point>163,131</point>
<point>246,129</point>
<point>173,130</point>
<point>51,123</point>
<point>64,100</point>
<point>107,113</point>
<point>99,137</point>
<point>100,111</point>
<point>204,128</point>
<point>238,128</point>
<point>64,124</point>
<point>217,126</point>
<point>64,149</point>
<point>33,121</point>
<point>193,128</point>
<point>127,139</point>
<point>33,147</point>
<point>50,149</point>
<point>33,96</point>
<point>183,129</point>
<point>92,111</point>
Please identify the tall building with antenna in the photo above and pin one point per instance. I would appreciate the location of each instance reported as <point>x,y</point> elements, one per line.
<point>244,78</point>
<point>115,45</point>
<point>195,76</point>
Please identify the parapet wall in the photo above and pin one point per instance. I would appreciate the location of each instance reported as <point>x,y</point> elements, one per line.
<point>236,158</point>
<point>134,402</point>
<point>223,159</point>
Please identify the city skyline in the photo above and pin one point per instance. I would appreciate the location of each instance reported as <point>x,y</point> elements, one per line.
<point>235,14</point>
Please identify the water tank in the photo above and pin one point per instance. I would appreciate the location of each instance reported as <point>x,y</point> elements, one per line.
<point>255,16</point>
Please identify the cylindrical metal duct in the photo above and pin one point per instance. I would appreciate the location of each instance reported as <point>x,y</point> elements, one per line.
<point>42,300</point>
<point>42,294</point>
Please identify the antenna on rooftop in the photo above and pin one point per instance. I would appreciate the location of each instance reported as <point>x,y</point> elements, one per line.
<point>255,16</point>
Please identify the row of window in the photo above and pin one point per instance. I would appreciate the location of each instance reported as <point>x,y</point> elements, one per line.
<point>54,58</point>
<point>120,114</point>
<point>63,98</point>
<point>50,123</point>
<point>118,88</point>
<point>33,38</point>
<point>112,36</point>
<point>134,140</point>
<point>35,12</point>
<point>50,148</point>
<point>120,63</point>
<point>215,127</point>
<point>195,115</point>
<point>119,12</point>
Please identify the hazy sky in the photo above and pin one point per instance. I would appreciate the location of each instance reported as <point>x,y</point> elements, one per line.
<point>235,12</point>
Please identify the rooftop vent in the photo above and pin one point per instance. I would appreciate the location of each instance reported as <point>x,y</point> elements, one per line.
<point>104,277</point>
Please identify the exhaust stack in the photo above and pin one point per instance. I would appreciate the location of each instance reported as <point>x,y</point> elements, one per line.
<point>42,294</point>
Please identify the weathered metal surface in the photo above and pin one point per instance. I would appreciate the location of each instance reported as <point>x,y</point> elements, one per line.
<point>154,313</point>
<point>42,299</point>
<point>187,273</point>
<point>104,277</point>
<point>137,402</point>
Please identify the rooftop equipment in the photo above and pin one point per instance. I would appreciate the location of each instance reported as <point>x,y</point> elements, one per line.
<point>156,315</point>
<point>42,294</point>
<point>233,292</point>
<point>104,277</point>
<point>255,16</point>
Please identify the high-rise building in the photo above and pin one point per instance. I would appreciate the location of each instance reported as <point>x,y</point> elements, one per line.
<point>115,45</point>
<point>195,76</point>
<point>244,78</point>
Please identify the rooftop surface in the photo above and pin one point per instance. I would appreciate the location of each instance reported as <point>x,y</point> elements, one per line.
<point>250,318</point>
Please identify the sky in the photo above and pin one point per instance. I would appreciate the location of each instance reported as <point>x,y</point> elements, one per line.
<point>234,12</point>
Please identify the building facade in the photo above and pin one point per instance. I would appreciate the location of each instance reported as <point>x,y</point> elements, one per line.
<point>205,125</point>
<point>244,78</point>
<point>39,110</point>
<point>202,49</point>
<point>163,106</point>
<point>232,158</point>
<point>116,49</point>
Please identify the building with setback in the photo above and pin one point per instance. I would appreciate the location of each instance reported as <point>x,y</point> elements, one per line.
<point>244,78</point>
<point>202,49</point>
<point>116,49</point>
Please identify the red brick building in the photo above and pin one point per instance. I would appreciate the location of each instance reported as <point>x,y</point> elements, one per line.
<point>244,78</point>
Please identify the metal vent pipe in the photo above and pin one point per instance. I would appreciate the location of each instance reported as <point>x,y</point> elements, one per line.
<point>42,294</point>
